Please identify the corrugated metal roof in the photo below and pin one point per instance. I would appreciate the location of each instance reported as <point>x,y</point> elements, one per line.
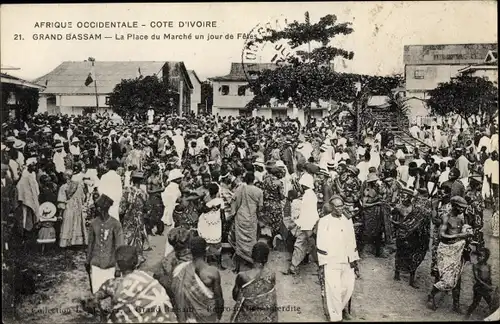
<point>465,54</point>
<point>69,77</point>
<point>10,79</point>
<point>237,72</point>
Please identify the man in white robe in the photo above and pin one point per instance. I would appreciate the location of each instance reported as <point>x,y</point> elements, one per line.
<point>110,185</point>
<point>337,256</point>
<point>169,198</point>
<point>179,142</point>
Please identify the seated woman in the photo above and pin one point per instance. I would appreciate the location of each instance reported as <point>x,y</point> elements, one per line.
<point>136,296</point>
<point>255,290</point>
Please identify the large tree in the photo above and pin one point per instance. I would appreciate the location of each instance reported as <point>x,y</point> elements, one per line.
<point>132,96</point>
<point>466,96</point>
<point>305,77</point>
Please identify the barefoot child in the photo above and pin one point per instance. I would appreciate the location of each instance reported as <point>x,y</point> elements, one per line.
<point>483,288</point>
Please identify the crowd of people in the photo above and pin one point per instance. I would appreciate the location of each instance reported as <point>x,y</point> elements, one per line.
<point>210,184</point>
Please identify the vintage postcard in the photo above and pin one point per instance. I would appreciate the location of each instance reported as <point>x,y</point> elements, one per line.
<point>249,162</point>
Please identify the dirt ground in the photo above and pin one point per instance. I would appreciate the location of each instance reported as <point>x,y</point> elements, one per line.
<point>62,280</point>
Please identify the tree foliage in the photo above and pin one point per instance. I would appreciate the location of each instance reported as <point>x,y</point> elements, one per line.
<point>466,96</point>
<point>306,76</point>
<point>132,96</point>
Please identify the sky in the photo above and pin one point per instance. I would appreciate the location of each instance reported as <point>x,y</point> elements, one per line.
<point>381,29</point>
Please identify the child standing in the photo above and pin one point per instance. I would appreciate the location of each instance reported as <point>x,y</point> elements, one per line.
<point>483,288</point>
<point>105,236</point>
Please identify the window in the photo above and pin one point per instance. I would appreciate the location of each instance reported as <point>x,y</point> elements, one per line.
<point>241,90</point>
<point>419,74</point>
<point>224,90</point>
<point>107,101</point>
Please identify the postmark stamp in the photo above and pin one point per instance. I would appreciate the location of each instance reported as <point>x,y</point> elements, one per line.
<point>257,51</point>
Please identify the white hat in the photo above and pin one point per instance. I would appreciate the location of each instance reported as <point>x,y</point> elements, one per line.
<point>113,132</point>
<point>18,144</point>
<point>47,212</point>
<point>307,180</point>
<point>75,140</point>
<point>259,162</point>
<point>31,161</point>
<point>175,174</point>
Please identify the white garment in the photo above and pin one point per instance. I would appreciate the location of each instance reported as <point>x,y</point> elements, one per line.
<point>110,185</point>
<point>75,150</point>
<point>169,197</point>
<point>308,211</point>
<point>336,246</point>
<point>210,223</point>
<point>484,141</point>
<point>151,114</point>
<point>491,169</point>
<point>306,150</point>
<point>414,131</point>
<point>324,158</point>
<point>443,177</point>
<point>494,143</point>
<point>99,276</point>
<point>127,182</point>
<point>363,167</point>
<point>58,160</point>
<point>179,144</point>
<point>375,159</point>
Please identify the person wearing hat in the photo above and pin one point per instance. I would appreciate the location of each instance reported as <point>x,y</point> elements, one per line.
<point>105,236</point>
<point>373,213</point>
<point>27,214</point>
<point>169,198</point>
<point>19,147</point>
<point>260,169</point>
<point>47,232</point>
<point>338,259</point>
<point>75,146</point>
<point>411,223</point>
<point>132,210</point>
<point>454,234</point>
<point>135,293</point>
<point>306,221</point>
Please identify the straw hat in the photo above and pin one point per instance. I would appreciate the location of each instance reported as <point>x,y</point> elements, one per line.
<point>47,212</point>
<point>330,165</point>
<point>175,174</point>
<point>75,140</point>
<point>18,144</point>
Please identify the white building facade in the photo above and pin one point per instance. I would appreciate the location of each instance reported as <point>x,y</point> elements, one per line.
<point>231,96</point>
<point>66,93</point>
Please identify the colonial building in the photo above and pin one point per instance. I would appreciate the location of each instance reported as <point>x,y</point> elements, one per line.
<point>196,94</point>
<point>17,94</point>
<point>487,69</point>
<point>65,90</point>
<point>426,66</point>
<point>231,96</point>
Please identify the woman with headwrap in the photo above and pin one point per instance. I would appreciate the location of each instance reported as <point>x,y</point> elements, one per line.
<point>373,213</point>
<point>70,200</point>
<point>132,210</point>
<point>155,205</point>
<point>411,219</point>
<point>272,212</point>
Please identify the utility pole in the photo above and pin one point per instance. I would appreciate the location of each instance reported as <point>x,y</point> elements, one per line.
<point>91,59</point>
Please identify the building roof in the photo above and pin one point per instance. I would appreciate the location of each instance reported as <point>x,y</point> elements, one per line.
<point>448,54</point>
<point>238,70</point>
<point>6,78</point>
<point>69,77</point>
<point>193,76</point>
<point>489,63</point>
